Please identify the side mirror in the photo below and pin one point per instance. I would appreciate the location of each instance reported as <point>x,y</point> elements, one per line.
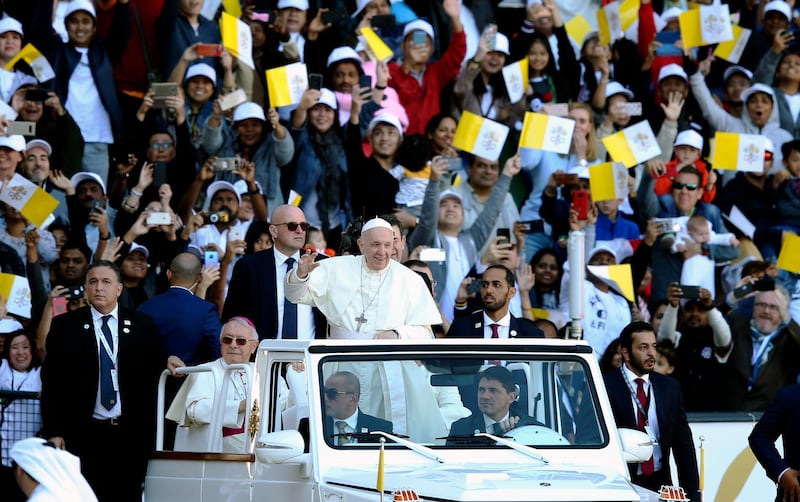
<point>637,446</point>
<point>279,447</point>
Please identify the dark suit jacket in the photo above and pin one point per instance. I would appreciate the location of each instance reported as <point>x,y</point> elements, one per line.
<point>364,422</point>
<point>468,425</point>
<point>674,432</point>
<point>253,293</point>
<point>472,327</point>
<point>188,325</point>
<point>70,379</point>
<point>780,419</point>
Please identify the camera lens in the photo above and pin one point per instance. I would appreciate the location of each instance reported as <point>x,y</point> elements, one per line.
<point>213,218</point>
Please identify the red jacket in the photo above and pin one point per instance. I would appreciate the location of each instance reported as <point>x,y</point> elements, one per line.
<point>663,184</point>
<point>422,102</point>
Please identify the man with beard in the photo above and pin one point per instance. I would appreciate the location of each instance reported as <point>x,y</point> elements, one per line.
<point>220,218</point>
<point>702,339</point>
<point>36,167</point>
<point>494,320</point>
<point>765,354</point>
<point>642,399</point>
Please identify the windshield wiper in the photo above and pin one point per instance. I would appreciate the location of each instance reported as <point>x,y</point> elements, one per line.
<point>465,439</point>
<point>422,450</point>
<point>525,450</point>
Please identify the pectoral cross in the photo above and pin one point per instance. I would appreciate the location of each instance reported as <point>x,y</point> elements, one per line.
<point>360,320</point>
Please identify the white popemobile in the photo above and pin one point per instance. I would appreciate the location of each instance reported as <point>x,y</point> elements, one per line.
<point>573,453</point>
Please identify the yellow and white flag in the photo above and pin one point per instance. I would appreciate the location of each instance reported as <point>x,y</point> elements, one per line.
<point>286,84</point>
<point>34,203</point>
<point>237,38</point>
<point>38,63</point>
<point>577,29</point>
<point>789,259</point>
<point>732,49</point>
<point>376,47</point>
<point>739,152</point>
<point>294,198</point>
<point>480,136</point>
<point>710,24</point>
<point>546,132</point>
<point>614,18</point>
<point>516,78</point>
<point>608,181</point>
<point>633,145</point>
<point>16,293</point>
<point>618,277</point>
<point>232,7</point>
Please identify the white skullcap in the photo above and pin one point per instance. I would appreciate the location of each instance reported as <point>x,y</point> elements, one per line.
<point>376,223</point>
<point>58,472</point>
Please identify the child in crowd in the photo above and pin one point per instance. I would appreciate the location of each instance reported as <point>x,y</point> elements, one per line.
<point>687,151</point>
<point>315,241</point>
<point>666,358</point>
<point>613,230</point>
<point>787,184</point>
<point>698,269</point>
<point>412,171</point>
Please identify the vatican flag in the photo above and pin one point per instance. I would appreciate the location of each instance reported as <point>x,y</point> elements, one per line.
<point>16,293</point>
<point>614,18</point>
<point>286,84</point>
<point>577,29</point>
<point>608,181</point>
<point>732,49</point>
<point>516,78</point>
<point>633,145</point>
<point>546,132</point>
<point>38,63</point>
<point>237,38</point>
<point>710,24</point>
<point>479,136</point>
<point>34,203</point>
<point>789,258</point>
<point>376,47</point>
<point>740,152</point>
<point>618,277</point>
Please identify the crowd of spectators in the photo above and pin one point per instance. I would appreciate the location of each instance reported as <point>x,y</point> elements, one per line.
<point>142,178</point>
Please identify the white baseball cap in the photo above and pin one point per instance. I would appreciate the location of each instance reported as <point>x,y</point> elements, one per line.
<point>671,13</point>
<point>360,4</point>
<point>39,143</point>
<point>218,185</point>
<point>79,178</point>
<point>601,249</point>
<point>10,24</point>
<point>201,70</point>
<point>450,194</point>
<point>249,110</point>
<point>343,53</point>
<point>327,98</point>
<point>778,6</point>
<point>141,249</point>
<point>242,188</point>
<point>689,137</point>
<point>15,142</point>
<point>756,88</point>
<point>385,118</point>
<point>76,5</point>
<point>419,25</point>
<point>297,4</point>
<point>672,70</point>
<point>732,70</point>
<point>501,44</point>
<point>613,88</point>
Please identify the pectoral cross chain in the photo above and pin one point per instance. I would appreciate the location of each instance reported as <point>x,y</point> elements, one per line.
<point>360,320</point>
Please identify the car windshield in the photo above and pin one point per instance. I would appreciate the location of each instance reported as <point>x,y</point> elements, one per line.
<point>443,401</point>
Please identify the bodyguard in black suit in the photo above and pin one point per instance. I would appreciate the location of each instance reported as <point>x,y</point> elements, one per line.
<point>257,282</point>
<point>494,321</point>
<point>657,408</point>
<point>342,415</point>
<point>99,383</point>
<point>781,419</point>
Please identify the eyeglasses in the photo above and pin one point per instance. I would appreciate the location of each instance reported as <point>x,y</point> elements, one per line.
<point>767,306</point>
<point>163,145</point>
<point>292,225</point>
<point>332,394</point>
<point>677,185</point>
<point>767,155</point>
<point>227,340</point>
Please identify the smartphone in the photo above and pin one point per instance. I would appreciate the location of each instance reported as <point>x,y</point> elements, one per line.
<point>760,285</point>
<point>690,292</point>
<point>227,163</point>
<point>314,81</point>
<point>210,257</point>
<point>580,203</point>
<point>365,82</point>
<point>432,254</point>
<point>59,305</point>
<point>383,21</point>
<point>161,91</point>
<point>562,179</point>
<point>37,95</point>
<point>233,99</point>
<point>159,174</point>
<point>419,38</point>
<point>209,50</point>
<point>236,234</point>
<point>667,225</point>
<point>22,127</point>
<point>534,226</point>
<point>159,218</point>
<point>454,164</point>
<point>334,15</point>
<point>633,109</point>
<point>74,292</point>
<point>96,205</point>
<point>504,234</point>
<point>474,287</point>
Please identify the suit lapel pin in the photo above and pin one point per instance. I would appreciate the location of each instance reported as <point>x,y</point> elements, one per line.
<point>126,330</point>
<point>477,325</point>
<point>126,322</point>
<point>513,332</point>
<point>85,326</point>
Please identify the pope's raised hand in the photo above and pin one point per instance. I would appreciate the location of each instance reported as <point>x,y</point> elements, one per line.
<point>306,264</point>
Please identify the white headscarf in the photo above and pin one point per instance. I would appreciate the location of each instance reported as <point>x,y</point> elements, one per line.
<point>57,471</point>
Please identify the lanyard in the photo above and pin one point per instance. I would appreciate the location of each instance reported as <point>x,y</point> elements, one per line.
<point>642,410</point>
<point>111,352</point>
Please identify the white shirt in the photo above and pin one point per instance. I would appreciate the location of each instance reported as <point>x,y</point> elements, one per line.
<point>305,315</point>
<point>503,328</point>
<point>100,412</point>
<point>652,420</point>
<point>489,421</point>
<point>82,103</point>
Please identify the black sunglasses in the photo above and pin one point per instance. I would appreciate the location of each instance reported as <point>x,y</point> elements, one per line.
<point>677,185</point>
<point>332,394</point>
<point>292,225</point>
<point>227,340</point>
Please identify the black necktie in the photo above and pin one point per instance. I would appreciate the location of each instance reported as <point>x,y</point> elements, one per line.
<point>108,396</point>
<point>289,310</point>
